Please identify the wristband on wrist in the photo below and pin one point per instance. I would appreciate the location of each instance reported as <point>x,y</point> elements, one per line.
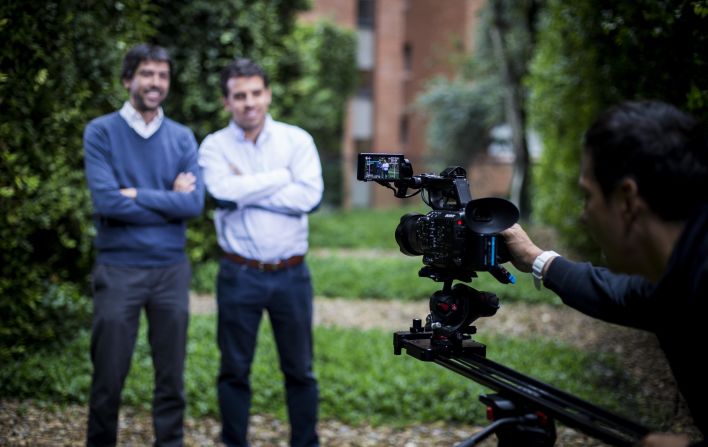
<point>538,264</point>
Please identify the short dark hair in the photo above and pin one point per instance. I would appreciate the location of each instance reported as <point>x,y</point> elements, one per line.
<point>143,52</point>
<point>241,67</point>
<point>662,148</point>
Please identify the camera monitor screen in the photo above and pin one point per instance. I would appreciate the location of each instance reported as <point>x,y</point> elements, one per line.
<point>376,166</point>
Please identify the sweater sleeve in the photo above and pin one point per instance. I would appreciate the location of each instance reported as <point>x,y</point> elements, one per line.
<point>174,204</point>
<point>107,200</point>
<point>599,293</point>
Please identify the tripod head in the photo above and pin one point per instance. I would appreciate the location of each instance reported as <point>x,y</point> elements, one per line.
<point>454,308</point>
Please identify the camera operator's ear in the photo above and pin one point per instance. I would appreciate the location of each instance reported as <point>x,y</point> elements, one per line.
<point>631,204</point>
<point>490,215</point>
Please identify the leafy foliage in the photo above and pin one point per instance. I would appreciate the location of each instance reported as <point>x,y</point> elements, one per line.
<point>204,36</point>
<point>316,100</point>
<point>57,70</point>
<point>489,91</point>
<point>566,94</point>
<point>461,114</point>
<point>592,54</point>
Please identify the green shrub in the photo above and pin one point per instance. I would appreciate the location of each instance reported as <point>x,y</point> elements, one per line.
<point>59,68</point>
<point>58,65</point>
<point>591,54</point>
<point>204,277</point>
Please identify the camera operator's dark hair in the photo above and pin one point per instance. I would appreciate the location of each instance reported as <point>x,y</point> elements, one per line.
<point>140,53</point>
<point>241,67</point>
<point>662,148</point>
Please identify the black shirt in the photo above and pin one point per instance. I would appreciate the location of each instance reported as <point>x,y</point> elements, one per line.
<point>674,309</point>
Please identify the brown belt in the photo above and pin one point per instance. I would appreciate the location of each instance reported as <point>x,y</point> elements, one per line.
<point>262,266</point>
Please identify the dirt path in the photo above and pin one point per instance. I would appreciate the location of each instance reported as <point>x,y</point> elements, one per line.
<point>31,425</point>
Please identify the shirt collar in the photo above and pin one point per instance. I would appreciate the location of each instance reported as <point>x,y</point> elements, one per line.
<point>137,123</point>
<point>262,137</point>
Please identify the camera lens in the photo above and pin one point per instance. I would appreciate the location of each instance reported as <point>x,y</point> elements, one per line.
<point>406,235</point>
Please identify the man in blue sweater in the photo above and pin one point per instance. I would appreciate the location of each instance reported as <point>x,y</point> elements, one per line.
<point>645,178</point>
<point>145,183</point>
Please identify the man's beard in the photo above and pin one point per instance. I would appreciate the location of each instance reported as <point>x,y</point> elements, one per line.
<point>142,106</point>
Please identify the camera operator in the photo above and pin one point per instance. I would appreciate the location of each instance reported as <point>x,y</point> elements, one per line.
<point>644,173</point>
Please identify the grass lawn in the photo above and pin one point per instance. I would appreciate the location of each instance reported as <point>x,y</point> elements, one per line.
<point>360,379</point>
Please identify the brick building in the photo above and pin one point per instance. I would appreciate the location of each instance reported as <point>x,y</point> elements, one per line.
<point>402,44</point>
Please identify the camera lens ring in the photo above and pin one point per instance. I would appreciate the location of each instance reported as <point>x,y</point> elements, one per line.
<point>406,234</point>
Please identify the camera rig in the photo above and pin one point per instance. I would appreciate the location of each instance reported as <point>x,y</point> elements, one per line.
<point>524,409</point>
<point>458,239</point>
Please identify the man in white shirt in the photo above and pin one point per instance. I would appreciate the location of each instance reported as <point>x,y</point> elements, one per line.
<point>266,176</point>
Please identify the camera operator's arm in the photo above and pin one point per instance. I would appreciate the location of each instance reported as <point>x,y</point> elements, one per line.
<point>595,291</point>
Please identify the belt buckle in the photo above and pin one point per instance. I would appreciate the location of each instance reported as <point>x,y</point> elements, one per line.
<point>261,266</point>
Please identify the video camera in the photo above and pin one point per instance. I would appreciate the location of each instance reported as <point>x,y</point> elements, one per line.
<point>457,239</point>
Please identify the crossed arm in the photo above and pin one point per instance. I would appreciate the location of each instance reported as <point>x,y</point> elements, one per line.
<point>140,206</point>
<point>295,189</point>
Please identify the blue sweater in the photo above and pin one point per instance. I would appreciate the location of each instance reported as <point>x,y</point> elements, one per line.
<point>148,231</point>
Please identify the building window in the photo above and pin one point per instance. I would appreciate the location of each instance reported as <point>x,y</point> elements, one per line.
<point>366,11</point>
<point>365,49</point>
<point>408,57</point>
<point>403,131</point>
<point>362,115</point>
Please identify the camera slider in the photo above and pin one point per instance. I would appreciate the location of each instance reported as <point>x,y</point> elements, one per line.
<point>426,346</point>
<point>528,407</point>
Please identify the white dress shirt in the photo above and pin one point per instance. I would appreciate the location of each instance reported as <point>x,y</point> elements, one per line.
<point>137,123</point>
<point>274,182</point>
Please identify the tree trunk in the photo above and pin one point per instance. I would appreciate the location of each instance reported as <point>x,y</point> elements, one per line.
<point>513,110</point>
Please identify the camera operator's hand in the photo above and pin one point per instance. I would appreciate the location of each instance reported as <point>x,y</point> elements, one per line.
<point>664,440</point>
<point>521,248</point>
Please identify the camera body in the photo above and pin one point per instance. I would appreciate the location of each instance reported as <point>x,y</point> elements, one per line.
<point>445,242</point>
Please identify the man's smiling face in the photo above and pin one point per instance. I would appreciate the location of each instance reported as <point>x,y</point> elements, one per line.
<point>248,101</point>
<point>149,86</point>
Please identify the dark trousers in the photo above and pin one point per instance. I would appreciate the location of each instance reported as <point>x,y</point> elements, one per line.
<point>119,295</point>
<point>243,293</point>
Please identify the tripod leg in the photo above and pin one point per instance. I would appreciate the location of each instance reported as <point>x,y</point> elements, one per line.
<point>489,430</point>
